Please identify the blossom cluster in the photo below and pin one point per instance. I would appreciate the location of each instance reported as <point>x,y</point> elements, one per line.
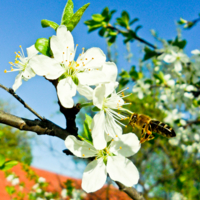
<point>175,82</point>
<point>95,79</point>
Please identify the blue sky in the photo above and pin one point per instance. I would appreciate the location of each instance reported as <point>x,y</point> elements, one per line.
<point>20,25</point>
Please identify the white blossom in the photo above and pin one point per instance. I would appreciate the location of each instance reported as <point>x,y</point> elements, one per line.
<point>111,160</point>
<point>105,124</point>
<point>22,64</point>
<point>89,69</point>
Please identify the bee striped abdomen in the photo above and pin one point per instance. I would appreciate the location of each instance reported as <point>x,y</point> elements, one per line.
<point>162,129</point>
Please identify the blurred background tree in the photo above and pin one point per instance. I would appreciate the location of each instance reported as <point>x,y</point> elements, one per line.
<point>14,144</point>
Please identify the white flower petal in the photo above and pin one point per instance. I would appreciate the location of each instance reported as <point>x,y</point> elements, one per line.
<point>195,52</point>
<point>110,88</point>
<point>123,170</point>
<point>98,136</point>
<point>18,81</point>
<point>127,145</point>
<point>110,70</point>
<point>31,51</point>
<point>94,176</point>
<point>92,58</point>
<point>66,89</point>
<point>98,95</point>
<point>169,58</point>
<point>60,42</point>
<point>28,72</point>
<point>45,66</point>
<point>178,66</point>
<point>79,148</point>
<point>86,91</point>
<point>94,77</point>
<point>111,127</point>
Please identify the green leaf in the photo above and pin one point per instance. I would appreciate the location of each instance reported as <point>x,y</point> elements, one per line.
<point>111,40</point>
<point>10,190</point>
<point>125,18</point>
<point>179,43</point>
<point>124,74</point>
<point>92,28</point>
<point>133,21</point>
<point>1,133</point>
<point>95,109</point>
<point>137,28</point>
<point>123,81</point>
<point>43,46</point>
<point>134,74</point>
<point>102,32</point>
<point>87,127</point>
<point>2,160</point>
<point>67,12</point>
<point>98,17</point>
<point>76,17</point>
<point>149,53</point>
<point>9,164</point>
<point>85,139</point>
<point>105,12</point>
<point>160,77</point>
<point>46,23</point>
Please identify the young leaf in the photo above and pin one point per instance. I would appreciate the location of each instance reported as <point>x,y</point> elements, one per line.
<point>2,160</point>
<point>43,46</point>
<point>76,17</point>
<point>9,164</point>
<point>149,53</point>
<point>98,17</point>
<point>46,23</point>
<point>67,12</point>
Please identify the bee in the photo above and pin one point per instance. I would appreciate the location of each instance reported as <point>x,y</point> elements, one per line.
<point>148,126</point>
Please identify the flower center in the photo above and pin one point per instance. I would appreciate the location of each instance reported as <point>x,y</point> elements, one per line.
<point>20,63</point>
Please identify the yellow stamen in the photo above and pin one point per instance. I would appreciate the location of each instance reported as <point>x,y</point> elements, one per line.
<point>20,46</point>
<point>18,51</point>
<point>120,147</point>
<point>116,135</point>
<point>83,155</point>
<point>5,71</point>
<point>76,44</point>
<point>89,148</point>
<point>86,59</point>
<point>92,58</point>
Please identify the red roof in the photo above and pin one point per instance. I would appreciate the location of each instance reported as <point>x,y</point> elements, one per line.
<point>55,180</point>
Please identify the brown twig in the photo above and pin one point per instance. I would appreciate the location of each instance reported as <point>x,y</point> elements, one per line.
<point>44,127</point>
<point>11,91</point>
<point>131,192</point>
<point>135,37</point>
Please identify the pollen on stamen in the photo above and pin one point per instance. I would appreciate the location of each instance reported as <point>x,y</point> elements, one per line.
<point>76,44</point>
<point>66,60</point>
<point>63,52</point>
<point>15,52</point>
<point>5,71</point>
<point>127,87</point>
<point>67,47</point>
<point>120,147</point>
<point>108,134</point>
<point>126,126</point>
<point>89,129</point>
<point>92,58</point>
<point>20,46</point>
<point>116,135</point>
<point>86,59</point>
<point>70,53</point>
<point>89,148</point>
<point>83,155</point>
<point>12,69</point>
<point>18,51</point>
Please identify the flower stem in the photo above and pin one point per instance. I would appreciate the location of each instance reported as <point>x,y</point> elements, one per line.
<point>86,104</point>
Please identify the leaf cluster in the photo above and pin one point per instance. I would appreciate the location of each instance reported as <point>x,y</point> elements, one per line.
<point>68,19</point>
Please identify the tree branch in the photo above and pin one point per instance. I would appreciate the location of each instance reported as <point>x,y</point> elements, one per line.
<point>131,192</point>
<point>135,37</point>
<point>11,91</point>
<point>44,127</point>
